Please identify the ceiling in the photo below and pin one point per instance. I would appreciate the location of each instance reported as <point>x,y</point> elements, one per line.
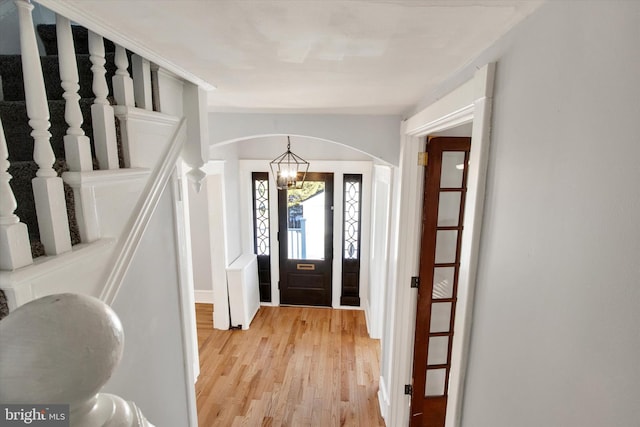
<point>331,56</point>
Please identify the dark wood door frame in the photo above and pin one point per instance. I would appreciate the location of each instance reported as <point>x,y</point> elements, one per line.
<point>430,411</point>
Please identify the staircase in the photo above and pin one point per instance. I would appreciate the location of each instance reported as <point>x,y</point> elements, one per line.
<point>86,151</point>
<point>13,113</point>
<point>91,136</point>
<point>58,121</point>
<point>46,110</point>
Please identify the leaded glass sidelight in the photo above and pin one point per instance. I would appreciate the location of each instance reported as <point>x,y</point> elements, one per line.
<point>352,218</point>
<point>261,215</point>
<point>261,233</point>
<point>352,199</point>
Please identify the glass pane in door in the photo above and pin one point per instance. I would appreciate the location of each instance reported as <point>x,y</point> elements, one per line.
<point>446,245</point>
<point>452,169</point>
<point>435,382</point>
<point>443,282</point>
<point>438,350</point>
<point>440,317</point>
<point>305,226</point>
<point>449,208</point>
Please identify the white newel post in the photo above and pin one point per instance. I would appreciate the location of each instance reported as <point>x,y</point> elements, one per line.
<point>47,187</point>
<point>196,150</point>
<point>122,82</point>
<point>63,348</point>
<point>141,69</point>
<point>77,147</point>
<point>15,250</point>
<point>103,119</point>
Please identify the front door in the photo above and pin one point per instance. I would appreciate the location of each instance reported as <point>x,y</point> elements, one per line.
<point>445,188</point>
<point>305,236</point>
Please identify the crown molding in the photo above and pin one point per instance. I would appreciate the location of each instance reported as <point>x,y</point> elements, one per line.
<point>95,24</point>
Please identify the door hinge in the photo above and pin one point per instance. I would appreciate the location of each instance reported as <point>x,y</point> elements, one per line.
<point>408,389</point>
<point>415,282</point>
<point>423,158</point>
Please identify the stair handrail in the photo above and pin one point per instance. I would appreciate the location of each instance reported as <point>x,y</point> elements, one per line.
<point>132,234</point>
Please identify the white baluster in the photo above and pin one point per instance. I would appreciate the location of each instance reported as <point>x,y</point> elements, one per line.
<point>47,187</point>
<point>77,147</point>
<point>122,82</point>
<point>142,82</point>
<point>64,348</point>
<point>103,119</point>
<point>15,251</point>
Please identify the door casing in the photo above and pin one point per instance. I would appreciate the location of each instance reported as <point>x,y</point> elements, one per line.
<point>468,103</point>
<point>338,168</point>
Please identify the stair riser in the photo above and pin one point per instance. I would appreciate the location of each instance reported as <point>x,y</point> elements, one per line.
<point>18,131</point>
<point>48,36</point>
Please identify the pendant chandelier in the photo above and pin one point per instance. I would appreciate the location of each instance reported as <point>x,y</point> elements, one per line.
<point>289,169</point>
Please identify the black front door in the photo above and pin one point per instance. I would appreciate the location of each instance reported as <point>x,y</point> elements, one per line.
<point>305,234</point>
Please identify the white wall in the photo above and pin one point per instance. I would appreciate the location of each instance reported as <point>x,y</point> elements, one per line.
<point>152,371</point>
<point>199,214</point>
<point>269,147</point>
<point>229,154</point>
<point>375,135</point>
<point>10,30</point>
<point>555,338</point>
<point>208,240</point>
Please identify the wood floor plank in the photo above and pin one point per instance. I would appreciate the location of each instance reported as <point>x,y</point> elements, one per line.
<point>295,366</point>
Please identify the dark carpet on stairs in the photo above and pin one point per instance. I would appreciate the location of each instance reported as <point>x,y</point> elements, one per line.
<point>14,117</point>
<point>4,307</point>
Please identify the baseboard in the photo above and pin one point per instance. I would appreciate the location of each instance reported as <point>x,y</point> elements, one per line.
<point>204,297</point>
<point>383,400</point>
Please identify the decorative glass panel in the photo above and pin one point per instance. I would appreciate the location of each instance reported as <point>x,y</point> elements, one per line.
<point>440,317</point>
<point>449,208</point>
<point>438,349</point>
<point>446,243</point>
<point>351,241</point>
<point>261,215</point>
<point>443,282</point>
<point>435,382</point>
<point>452,169</point>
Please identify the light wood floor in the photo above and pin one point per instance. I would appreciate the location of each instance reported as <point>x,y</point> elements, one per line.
<point>294,367</point>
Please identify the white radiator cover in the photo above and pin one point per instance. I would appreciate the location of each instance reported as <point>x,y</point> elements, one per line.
<point>244,292</point>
